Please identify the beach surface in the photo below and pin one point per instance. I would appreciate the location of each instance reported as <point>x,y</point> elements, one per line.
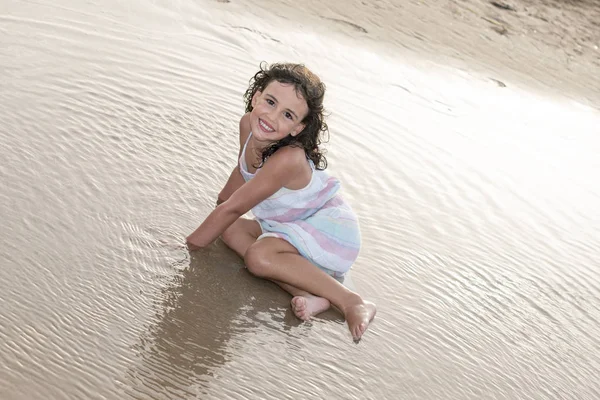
<point>466,136</point>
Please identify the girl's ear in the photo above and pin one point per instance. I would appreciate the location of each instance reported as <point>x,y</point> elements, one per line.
<point>296,131</point>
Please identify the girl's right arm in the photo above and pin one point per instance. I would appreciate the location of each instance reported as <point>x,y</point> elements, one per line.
<point>236,180</point>
<point>280,169</point>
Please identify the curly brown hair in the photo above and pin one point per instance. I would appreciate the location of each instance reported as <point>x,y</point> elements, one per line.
<point>312,90</point>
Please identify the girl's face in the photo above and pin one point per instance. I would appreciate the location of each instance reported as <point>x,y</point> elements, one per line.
<point>277,111</point>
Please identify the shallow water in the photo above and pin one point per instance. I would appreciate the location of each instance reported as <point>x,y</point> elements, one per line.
<point>479,204</point>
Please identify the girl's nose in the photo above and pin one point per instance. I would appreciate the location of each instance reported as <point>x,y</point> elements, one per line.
<point>273,114</point>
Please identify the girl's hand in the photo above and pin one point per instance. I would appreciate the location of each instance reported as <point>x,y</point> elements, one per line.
<point>192,247</point>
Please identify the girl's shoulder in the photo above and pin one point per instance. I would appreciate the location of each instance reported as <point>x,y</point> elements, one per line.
<point>291,165</point>
<point>289,155</point>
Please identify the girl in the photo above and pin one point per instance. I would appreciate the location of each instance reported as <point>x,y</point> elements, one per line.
<point>304,235</point>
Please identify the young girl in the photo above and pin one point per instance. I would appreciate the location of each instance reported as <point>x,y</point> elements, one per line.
<point>304,235</point>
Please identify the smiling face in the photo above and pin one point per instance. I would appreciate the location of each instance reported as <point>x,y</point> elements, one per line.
<point>277,111</point>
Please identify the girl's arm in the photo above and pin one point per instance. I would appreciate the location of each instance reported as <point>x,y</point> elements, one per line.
<point>276,172</point>
<point>236,180</point>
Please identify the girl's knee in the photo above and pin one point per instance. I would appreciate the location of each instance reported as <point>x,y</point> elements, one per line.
<point>228,235</point>
<point>257,259</point>
<point>233,233</point>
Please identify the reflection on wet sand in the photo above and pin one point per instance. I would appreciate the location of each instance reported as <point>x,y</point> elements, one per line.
<point>211,301</point>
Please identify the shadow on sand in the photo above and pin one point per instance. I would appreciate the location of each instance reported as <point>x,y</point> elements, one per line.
<point>210,302</point>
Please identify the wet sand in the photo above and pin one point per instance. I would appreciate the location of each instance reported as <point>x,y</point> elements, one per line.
<point>468,150</point>
<point>552,45</point>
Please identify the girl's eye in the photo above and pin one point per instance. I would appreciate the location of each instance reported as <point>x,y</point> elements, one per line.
<point>270,102</point>
<point>288,115</point>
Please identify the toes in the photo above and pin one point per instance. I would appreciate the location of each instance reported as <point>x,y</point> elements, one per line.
<point>358,331</point>
<point>294,304</point>
<point>362,328</point>
<point>304,317</point>
<point>299,303</point>
<point>356,335</point>
<point>299,308</point>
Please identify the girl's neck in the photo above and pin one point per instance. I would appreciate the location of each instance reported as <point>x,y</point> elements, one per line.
<point>255,150</point>
<point>258,146</point>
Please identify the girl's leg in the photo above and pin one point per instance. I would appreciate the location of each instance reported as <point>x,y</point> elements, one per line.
<point>278,260</point>
<point>240,236</point>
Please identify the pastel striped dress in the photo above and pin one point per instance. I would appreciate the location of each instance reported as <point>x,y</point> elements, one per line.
<point>314,219</point>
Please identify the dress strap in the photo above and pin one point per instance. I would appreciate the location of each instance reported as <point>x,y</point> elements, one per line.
<point>242,160</point>
<point>247,140</point>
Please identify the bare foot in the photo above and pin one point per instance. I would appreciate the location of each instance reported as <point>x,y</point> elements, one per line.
<point>358,316</point>
<point>306,306</point>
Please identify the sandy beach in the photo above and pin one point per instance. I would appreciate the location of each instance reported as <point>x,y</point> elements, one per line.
<point>553,46</point>
<point>466,138</point>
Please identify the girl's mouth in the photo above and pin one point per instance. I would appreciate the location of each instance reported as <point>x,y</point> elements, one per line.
<point>265,127</point>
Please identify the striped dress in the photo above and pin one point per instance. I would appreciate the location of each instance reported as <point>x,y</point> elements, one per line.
<point>314,219</point>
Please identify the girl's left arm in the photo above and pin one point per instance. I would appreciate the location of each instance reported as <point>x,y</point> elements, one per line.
<point>276,172</point>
